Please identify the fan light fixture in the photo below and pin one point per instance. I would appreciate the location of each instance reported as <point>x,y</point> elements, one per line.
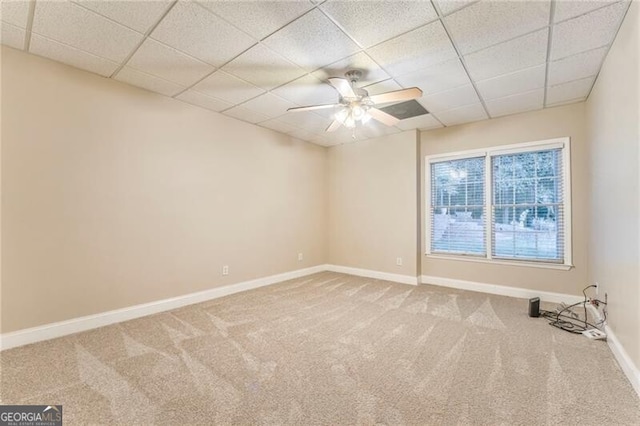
<point>356,106</point>
<point>349,115</point>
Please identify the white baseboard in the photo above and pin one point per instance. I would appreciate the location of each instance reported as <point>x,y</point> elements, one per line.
<point>76,325</point>
<point>403,279</point>
<point>626,363</point>
<point>620,354</point>
<point>501,290</point>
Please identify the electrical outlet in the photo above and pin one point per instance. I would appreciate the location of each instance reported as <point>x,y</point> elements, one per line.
<point>399,261</point>
<point>594,334</point>
<point>225,270</point>
<point>299,256</point>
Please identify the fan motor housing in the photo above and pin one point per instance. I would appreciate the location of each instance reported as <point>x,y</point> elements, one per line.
<point>353,75</point>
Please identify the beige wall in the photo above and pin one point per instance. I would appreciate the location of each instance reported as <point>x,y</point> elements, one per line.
<point>373,204</point>
<point>114,196</point>
<point>613,114</point>
<point>532,126</point>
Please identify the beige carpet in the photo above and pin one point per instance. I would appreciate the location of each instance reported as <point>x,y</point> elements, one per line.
<point>328,349</point>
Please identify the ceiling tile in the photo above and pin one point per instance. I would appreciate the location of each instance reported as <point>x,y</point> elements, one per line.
<point>575,67</point>
<point>263,67</point>
<point>568,91</point>
<point>570,101</point>
<point>595,29</point>
<point>566,9</point>
<point>375,129</point>
<point>421,48</point>
<point>312,41</point>
<point>450,99</point>
<point>371,71</point>
<point>278,125</point>
<point>517,54</point>
<point>382,87</point>
<point>137,15</point>
<point>198,99</point>
<point>371,22</point>
<point>227,87</point>
<point>422,122</point>
<point>306,120</point>
<point>437,78</point>
<point>360,132</point>
<point>307,90</point>
<point>149,82</point>
<point>511,84</point>
<point>484,24</point>
<point>465,114</point>
<point>245,114</point>
<point>193,29</point>
<point>15,12</point>
<point>322,140</point>
<point>66,54</point>
<point>269,105</point>
<point>328,113</point>
<point>165,62</point>
<point>258,18</point>
<point>325,140</point>
<point>449,6</point>
<point>345,136</point>
<point>522,102</point>
<point>303,135</point>
<point>12,36</point>
<point>75,26</point>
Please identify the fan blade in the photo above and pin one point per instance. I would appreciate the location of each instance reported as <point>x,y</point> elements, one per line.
<point>343,87</point>
<point>312,107</point>
<point>333,126</point>
<point>383,117</point>
<point>395,96</point>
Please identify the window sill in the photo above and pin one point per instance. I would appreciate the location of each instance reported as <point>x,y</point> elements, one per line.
<point>557,266</point>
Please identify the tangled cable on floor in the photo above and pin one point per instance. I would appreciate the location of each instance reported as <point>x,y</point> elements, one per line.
<point>565,319</point>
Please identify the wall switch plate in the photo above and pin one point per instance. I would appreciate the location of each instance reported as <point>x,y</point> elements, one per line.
<point>225,270</point>
<point>299,256</point>
<point>399,261</point>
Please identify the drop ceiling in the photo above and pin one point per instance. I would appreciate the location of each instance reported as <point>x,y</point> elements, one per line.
<point>252,60</point>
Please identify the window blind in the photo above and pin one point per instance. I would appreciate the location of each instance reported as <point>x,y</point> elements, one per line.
<point>527,207</point>
<point>457,206</point>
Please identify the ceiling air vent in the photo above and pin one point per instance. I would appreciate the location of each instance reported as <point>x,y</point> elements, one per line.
<point>405,110</point>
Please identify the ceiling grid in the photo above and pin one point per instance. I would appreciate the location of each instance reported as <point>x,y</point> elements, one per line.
<point>27,37</point>
<point>253,60</point>
<point>552,8</point>
<point>146,35</point>
<point>238,55</point>
<point>464,65</point>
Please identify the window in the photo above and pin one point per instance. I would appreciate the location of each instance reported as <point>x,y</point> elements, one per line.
<point>458,206</point>
<point>505,203</point>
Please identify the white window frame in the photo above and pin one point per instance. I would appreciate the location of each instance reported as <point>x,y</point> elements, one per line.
<point>559,143</point>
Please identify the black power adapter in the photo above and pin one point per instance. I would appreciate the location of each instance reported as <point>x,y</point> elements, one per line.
<point>534,307</point>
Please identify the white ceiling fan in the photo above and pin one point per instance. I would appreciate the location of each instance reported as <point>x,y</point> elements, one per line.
<point>355,105</point>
